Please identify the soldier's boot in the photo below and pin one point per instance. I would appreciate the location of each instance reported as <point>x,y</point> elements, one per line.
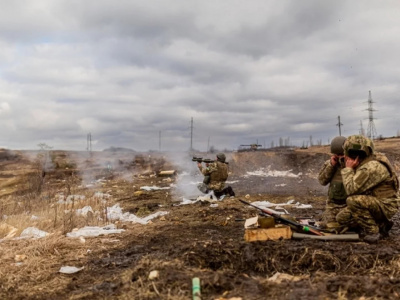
<point>334,227</point>
<point>385,228</point>
<point>372,238</point>
<point>231,192</point>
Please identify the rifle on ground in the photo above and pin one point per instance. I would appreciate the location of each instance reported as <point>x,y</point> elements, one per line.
<point>283,220</point>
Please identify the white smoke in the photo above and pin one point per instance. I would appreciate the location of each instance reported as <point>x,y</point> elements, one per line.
<point>188,176</point>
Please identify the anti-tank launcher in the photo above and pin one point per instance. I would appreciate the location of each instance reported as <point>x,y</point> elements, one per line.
<point>204,160</point>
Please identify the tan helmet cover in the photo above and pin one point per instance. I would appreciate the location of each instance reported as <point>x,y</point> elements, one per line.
<point>360,143</point>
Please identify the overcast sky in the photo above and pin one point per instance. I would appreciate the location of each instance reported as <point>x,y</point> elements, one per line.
<point>130,72</point>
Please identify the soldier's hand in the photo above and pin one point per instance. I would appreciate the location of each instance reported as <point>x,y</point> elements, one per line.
<point>199,164</point>
<point>334,160</point>
<point>352,163</point>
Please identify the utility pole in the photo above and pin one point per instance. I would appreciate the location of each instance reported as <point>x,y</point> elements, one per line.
<point>362,131</point>
<point>371,131</point>
<point>339,124</point>
<point>89,142</point>
<point>208,144</point>
<point>191,134</point>
<point>159,141</point>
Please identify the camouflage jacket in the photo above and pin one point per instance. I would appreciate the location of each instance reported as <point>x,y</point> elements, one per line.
<point>371,177</point>
<point>332,175</point>
<point>326,173</point>
<point>218,173</point>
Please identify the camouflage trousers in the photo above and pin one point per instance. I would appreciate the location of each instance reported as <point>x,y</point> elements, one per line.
<point>367,213</point>
<point>332,209</point>
<point>213,186</point>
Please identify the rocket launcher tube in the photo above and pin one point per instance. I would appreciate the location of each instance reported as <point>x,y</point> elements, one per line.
<point>286,221</point>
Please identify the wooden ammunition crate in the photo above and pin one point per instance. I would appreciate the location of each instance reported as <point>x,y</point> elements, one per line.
<point>265,234</point>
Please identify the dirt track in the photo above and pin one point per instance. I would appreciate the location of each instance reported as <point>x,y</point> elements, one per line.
<point>198,240</point>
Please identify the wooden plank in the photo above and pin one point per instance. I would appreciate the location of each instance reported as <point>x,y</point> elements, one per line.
<point>265,234</point>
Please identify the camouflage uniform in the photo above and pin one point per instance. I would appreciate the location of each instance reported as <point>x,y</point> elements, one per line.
<point>336,192</point>
<point>218,174</point>
<point>372,188</point>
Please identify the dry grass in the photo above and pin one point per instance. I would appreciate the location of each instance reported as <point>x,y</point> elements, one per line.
<point>39,260</point>
<point>51,215</point>
<point>51,208</point>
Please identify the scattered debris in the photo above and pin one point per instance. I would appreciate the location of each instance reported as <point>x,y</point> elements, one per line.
<point>115,213</point>
<point>138,193</point>
<point>196,288</point>
<point>167,173</point>
<point>20,257</point>
<point>273,173</point>
<point>154,188</point>
<point>251,223</point>
<point>84,211</point>
<point>154,274</point>
<point>8,231</point>
<point>33,232</point>
<point>267,204</point>
<point>90,231</point>
<point>280,277</point>
<point>70,270</point>
<point>100,195</point>
<point>187,201</point>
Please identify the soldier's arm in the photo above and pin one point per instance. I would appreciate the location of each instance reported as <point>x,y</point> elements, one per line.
<point>364,178</point>
<point>209,169</point>
<point>326,173</point>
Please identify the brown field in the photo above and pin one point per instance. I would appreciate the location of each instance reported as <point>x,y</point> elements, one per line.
<point>195,240</point>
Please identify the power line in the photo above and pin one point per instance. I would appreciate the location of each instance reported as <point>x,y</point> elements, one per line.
<point>159,141</point>
<point>191,134</point>
<point>371,131</point>
<point>89,142</point>
<point>339,125</point>
<point>362,131</point>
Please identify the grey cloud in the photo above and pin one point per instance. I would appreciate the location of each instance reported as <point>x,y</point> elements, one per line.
<point>126,71</point>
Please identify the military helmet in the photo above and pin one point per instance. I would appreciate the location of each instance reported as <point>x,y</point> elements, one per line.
<point>358,143</point>
<point>221,157</point>
<point>337,145</point>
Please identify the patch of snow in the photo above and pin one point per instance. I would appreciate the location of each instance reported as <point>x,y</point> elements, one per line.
<point>279,206</point>
<point>70,270</point>
<point>91,231</point>
<point>71,198</point>
<point>115,213</point>
<point>101,195</point>
<point>33,232</point>
<point>154,188</point>
<point>187,201</point>
<point>273,173</point>
<point>84,211</point>
<point>230,182</point>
